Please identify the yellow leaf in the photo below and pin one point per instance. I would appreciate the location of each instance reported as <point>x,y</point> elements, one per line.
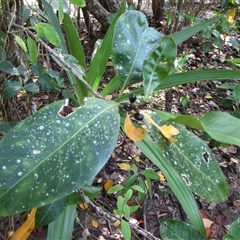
<point>208,96</point>
<point>166,131</point>
<point>108,184</point>
<point>117,223</point>
<point>137,158</point>
<point>161,177</point>
<point>231,15</point>
<point>25,230</point>
<point>95,223</point>
<point>134,133</point>
<point>83,206</point>
<point>125,166</point>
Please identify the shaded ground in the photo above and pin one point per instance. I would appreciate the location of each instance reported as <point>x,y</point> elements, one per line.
<point>201,98</point>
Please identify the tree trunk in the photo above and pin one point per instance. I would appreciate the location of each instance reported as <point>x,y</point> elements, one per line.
<point>99,12</point>
<point>158,11</point>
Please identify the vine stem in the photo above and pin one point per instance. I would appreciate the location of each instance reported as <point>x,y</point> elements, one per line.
<point>62,61</point>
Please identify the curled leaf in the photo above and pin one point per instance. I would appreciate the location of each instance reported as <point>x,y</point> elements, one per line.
<point>134,133</point>
<point>166,130</point>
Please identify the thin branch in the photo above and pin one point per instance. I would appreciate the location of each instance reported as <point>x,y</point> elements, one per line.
<point>101,212</point>
<point>63,62</point>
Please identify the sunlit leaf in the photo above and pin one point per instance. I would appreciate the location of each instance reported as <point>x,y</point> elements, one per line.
<point>25,230</point>
<point>134,133</point>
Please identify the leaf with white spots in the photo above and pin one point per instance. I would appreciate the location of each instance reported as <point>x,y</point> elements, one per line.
<point>194,162</point>
<point>173,229</point>
<point>132,42</point>
<point>46,157</point>
<point>159,64</point>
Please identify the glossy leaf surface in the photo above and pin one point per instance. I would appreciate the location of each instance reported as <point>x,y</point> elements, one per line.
<point>132,42</point>
<point>159,64</point>
<point>152,151</point>
<point>219,125</point>
<point>194,162</point>
<point>47,156</point>
<point>172,229</point>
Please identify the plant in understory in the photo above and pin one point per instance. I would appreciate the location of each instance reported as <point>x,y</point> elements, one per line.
<point>59,149</point>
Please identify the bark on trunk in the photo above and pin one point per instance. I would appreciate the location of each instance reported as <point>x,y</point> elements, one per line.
<point>99,12</point>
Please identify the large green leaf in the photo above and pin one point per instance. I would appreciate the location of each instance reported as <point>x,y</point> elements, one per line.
<point>172,230</point>
<point>159,64</point>
<point>222,127</point>
<point>132,42</point>
<point>47,156</point>
<point>198,75</point>
<point>219,125</point>
<point>194,162</point>
<point>152,151</point>
<point>182,78</point>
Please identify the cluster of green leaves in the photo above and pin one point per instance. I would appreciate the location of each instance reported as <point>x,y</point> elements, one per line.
<point>48,156</point>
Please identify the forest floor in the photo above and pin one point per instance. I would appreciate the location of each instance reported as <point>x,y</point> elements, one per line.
<point>200,98</point>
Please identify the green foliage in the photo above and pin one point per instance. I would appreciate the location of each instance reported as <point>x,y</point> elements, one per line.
<point>52,153</point>
<point>234,231</point>
<point>67,153</point>
<point>172,229</point>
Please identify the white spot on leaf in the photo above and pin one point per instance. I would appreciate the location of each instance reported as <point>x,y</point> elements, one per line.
<point>36,151</point>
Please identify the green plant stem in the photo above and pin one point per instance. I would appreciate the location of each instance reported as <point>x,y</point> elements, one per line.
<point>61,60</point>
